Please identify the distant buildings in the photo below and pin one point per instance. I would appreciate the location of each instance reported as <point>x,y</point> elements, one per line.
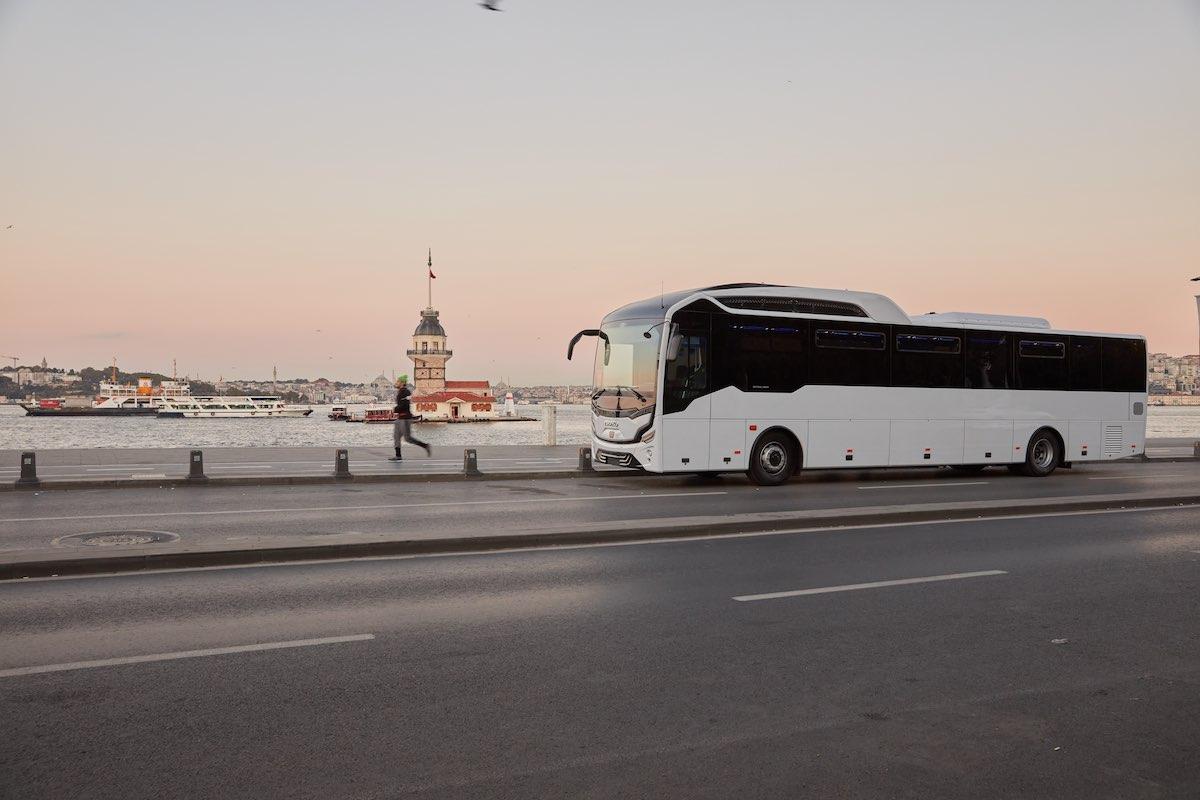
<point>1174,374</point>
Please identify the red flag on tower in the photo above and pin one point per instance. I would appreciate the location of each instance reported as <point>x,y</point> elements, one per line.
<point>430,262</point>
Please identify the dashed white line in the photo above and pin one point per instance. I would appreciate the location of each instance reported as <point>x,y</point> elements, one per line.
<point>214,651</point>
<point>851,587</point>
<point>929,485</point>
<point>1137,477</point>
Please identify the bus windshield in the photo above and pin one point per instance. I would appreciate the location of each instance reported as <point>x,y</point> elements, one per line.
<point>626,374</point>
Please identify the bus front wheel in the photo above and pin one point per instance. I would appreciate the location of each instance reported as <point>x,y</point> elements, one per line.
<point>773,460</point>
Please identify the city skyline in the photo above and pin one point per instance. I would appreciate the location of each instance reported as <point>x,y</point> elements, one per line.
<point>272,205</point>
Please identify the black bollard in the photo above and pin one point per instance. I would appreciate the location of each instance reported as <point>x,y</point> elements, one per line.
<point>341,464</point>
<point>196,467</point>
<point>585,459</point>
<point>471,463</point>
<point>1195,449</point>
<point>29,478</point>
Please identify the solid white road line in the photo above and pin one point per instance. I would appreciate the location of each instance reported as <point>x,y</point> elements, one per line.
<point>667,540</point>
<point>302,509</point>
<point>215,651</point>
<point>930,485</point>
<point>746,598</point>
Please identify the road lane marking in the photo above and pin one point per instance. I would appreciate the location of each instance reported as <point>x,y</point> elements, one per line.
<point>301,510</point>
<point>669,540</point>
<point>929,485</point>
<point>1137,477</point>
<point>214,651</point>
<point>851,587</point>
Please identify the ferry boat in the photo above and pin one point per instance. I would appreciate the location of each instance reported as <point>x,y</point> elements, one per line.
<point>261,406</point>
<point>114,400</point>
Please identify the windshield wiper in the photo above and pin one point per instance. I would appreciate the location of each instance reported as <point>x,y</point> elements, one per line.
<point>617,392</point>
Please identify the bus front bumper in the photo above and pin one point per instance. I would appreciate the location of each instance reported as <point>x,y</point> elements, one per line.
<point>637,455</point>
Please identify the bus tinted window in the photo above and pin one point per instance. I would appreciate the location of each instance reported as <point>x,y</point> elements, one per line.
<point>687,372</point>
<point>987,360</point>
<point>1042,363</point>
<point>761,354</point>
<point>1124,365</point>
<point>927,358</point>
<point>1085,362</point>
<point>851,339</point>
<point>849,355</point>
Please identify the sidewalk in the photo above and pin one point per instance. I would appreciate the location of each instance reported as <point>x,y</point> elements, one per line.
<point>275,466</point>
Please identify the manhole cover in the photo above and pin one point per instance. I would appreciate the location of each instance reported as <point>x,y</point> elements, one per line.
<point>117,538</point>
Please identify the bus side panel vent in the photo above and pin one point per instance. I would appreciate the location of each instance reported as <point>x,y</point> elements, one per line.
<point>1114,440</point>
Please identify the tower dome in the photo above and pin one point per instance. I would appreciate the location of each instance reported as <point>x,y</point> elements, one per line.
<point>429,325</point>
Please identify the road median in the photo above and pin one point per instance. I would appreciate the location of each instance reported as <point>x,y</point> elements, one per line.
<point>15,565</point>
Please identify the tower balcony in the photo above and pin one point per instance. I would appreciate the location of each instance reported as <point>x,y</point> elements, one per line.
<point>419,353</point>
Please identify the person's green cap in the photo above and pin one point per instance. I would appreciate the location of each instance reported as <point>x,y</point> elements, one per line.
<point>403,379</point>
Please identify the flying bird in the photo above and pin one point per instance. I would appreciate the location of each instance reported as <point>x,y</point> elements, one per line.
<point>490,5</point>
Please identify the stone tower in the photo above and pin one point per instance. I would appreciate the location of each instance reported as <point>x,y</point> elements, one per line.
<point>429,354</point>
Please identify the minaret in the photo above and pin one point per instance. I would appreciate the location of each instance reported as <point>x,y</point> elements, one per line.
<point>429,353</point>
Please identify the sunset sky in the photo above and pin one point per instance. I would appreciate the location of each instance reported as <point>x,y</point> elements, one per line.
<point>245,184</point>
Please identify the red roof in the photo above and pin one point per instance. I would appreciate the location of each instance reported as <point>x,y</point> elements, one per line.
<point>468,385</point>
<point>442,397</point>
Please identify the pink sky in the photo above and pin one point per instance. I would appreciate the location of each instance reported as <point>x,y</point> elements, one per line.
<point>246,185</point>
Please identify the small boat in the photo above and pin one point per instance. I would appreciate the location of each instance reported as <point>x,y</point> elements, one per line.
<point>263,406</point>
<point>340,414</point>
<point>379,415</point>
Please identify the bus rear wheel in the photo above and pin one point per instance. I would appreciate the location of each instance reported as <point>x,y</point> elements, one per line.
<point>1042,455</point>
<point>773,460</point>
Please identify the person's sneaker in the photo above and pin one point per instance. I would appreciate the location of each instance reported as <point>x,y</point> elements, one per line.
<point>428,451</point>
<point>395,458</point>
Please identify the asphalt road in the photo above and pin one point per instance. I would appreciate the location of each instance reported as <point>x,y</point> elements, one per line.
<point>32,524</point>
<point>1052,657</point>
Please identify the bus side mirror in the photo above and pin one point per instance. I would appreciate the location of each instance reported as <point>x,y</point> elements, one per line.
<point>589,332</point>
<point>673,346</point>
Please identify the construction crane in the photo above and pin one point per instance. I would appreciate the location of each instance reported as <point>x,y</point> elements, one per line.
<point>13,359</point>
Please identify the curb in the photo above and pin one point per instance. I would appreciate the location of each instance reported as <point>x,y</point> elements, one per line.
<point>309,480</point>
<point>413,547</point>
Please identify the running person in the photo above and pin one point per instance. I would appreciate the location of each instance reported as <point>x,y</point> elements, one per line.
<point>402,428</point>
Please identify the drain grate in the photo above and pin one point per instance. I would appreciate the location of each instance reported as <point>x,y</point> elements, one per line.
<point>117,538</point>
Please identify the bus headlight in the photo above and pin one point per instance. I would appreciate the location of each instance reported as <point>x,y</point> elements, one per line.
<point>649,437</point>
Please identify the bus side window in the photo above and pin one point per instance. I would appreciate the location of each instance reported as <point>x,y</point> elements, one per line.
<point>761,354</point>
<point>845,354</point>
<point>1041,361</point>
<point>927,357</point>
<point>987,360</point>
<point>1086,373</point>
<point>1124,365</point>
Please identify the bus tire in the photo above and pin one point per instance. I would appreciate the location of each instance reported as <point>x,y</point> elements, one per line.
<point>1042,455</point>
<point>773,460</point>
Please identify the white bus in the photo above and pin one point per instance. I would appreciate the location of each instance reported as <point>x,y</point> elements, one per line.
<point>771,379</point>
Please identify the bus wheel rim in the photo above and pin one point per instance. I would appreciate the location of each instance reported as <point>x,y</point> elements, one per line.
<point>1043,454</point>
<point>773,458</point>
